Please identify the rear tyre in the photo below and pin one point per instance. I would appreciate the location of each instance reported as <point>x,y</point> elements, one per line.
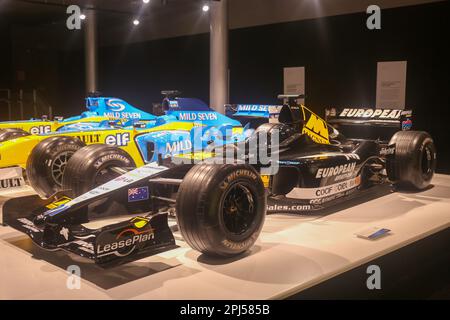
<point>47,162</point>
<point>414,162</point>
<point>221,208</point>
<point>91,167</point>
<point>11,133</point>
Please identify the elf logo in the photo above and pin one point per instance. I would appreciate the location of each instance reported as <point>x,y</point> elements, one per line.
<point>40,129</point>
<point>119,139</point>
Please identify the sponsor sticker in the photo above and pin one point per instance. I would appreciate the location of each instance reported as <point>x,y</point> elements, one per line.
<point>40,129</point>
<point>252,107</point>
<point>115,105</point>
<point>289,207</point>
<point>126,242</point>
<point>138,194</point>
<point>126,179</point>
<point>173,104</point>
<point>317,129</point>
<point>197,116</point>
<point>407,125</point>
<point>266,180</point>
<point>317,193</point>
<point>387,151</point>
<point>89,138</point>
<point>11,178</point>
<point>335,171</point>
<point>57,210</point>
<point>118,139</point>
<point>58,203</point>
<point>177,147</point>
<point>371,113</point>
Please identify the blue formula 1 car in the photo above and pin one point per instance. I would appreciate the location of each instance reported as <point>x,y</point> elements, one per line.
<point>53,159</point>
<point>99,111</point>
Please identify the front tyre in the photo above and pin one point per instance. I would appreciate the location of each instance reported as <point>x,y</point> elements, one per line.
<point>414,162</point>
<point>93,166</point>
<point>221,208</point>
<point>47,162</point>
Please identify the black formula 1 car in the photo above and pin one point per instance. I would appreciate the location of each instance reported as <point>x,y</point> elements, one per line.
<point>220,208</point>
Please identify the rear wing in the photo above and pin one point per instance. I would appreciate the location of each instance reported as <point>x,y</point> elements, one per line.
<point>367,123</point>
<point>270,112</point>
<point>253,115</point>
<point>254,110</point>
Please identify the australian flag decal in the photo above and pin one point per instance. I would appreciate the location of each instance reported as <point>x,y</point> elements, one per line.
<point>137,194</point>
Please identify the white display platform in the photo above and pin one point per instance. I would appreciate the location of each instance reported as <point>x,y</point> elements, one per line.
<point>292,254</point>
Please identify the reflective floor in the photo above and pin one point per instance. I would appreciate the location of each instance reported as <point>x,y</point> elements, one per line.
<point>293,253</point>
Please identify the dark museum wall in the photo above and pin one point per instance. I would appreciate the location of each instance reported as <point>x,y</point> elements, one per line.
<point>6,64</point>
<point>339,53</point>
<point>5,54</point>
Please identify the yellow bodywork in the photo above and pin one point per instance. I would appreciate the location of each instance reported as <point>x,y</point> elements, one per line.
<point>315,127</point>
<point>40,127</point>
<point>16,152</point>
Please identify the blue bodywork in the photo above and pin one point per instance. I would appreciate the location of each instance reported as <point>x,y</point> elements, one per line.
<point>169,143</point>
<point>254,111</point>
<point>210,127</point>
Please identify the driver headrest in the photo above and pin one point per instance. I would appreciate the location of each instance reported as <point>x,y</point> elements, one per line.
<point>290,114</point>
<point>166,105</point>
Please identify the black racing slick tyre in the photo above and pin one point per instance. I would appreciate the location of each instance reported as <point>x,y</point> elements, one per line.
<point>47,162</point>
<point>221,208</point>
<point>91,167</point>
<point>10,134</point>
<point>414,161</point>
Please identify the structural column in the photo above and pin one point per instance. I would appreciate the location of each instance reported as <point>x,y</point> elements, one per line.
<point>219,55</point>
<point>90,37</point>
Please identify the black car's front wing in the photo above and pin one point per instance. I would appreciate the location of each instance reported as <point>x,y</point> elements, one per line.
<point>59,223</point>
<point>120,241</point>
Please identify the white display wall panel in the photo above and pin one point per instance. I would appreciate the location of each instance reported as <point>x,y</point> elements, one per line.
<point>292,254</point>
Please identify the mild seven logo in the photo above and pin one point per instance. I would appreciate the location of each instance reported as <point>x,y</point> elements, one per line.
<point>115,105</point>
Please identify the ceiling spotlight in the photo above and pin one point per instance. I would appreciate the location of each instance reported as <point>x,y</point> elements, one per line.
<point>82,16</point>
<point>205,8</point>
<point>145,1</point>
<point>136,22</point>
